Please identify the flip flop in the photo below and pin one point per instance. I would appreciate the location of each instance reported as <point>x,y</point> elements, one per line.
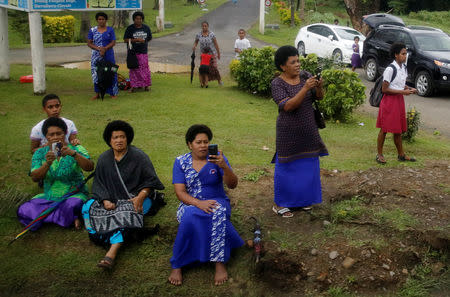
<point>406,158</point>
<point>283,212</point>
<point>380,159</point>
<point>106,263</point>
<point>307,208</point>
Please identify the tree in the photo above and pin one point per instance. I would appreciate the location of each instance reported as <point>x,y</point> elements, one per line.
<point>356,9</point>
<point>120,19</point>
<point>85,25</point>
<point>302,9</point>
<point>292,13</point>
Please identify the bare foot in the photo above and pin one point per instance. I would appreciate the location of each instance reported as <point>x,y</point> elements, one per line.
<point>147,89</point>
<point>96,96</point>
<point>77,224</point>
<point>175,277</point>
<point>113,97</point>
<point>221,275</point>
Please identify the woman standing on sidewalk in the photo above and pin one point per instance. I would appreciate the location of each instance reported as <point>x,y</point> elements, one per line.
<point>139,34</point>
<point>206,39</point>
<point>391,115</point>
<point>102,39</point>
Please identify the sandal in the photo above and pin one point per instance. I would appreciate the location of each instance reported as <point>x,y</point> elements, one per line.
<point>406,158</point>
<point>307,208</point>
<point>106,263</point>
<point>284,212</point>
<point>380,159</point>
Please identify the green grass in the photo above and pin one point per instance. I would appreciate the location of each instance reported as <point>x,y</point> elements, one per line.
<point>397,218</point>
<point>176,11</point>
<point>59,262</point>
<point>347,210</point>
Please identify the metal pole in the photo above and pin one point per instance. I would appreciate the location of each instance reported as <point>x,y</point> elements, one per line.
<point>261,16</point>
<point>161,14</point>
<point>37,52</point>
<point>4,48</point>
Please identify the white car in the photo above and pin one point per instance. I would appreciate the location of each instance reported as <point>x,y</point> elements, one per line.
<point>328,41</point>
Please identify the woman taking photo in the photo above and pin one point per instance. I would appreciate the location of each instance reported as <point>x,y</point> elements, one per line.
<point>207,39</point>
<point>298,143</point>
<point>139,35</point>
<point>391,114</point>
<point>205,233</point>
<point>61,170</point>
<point>102,39</point>
<point>124,173</point>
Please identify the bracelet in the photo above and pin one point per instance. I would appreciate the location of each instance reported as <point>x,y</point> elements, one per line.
<point>145,191</point>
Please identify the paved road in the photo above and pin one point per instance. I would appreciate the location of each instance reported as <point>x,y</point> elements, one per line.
<point>225,22</point>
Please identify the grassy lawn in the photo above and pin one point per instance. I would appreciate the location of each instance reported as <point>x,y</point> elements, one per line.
<point>59,262</point>
<point>176,11</point>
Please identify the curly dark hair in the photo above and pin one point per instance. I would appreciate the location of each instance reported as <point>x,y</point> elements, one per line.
<point>101,13</point>
<point>53,122</point>
<point>396,48</point>
<point>49,97</point>
<point>196,129</point>
<point>118,125</point>
<point>138,13</point>
<point>282,55</point>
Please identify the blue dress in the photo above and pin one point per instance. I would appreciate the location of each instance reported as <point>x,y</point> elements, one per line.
<point>103,39</point>
<point>202,237</point>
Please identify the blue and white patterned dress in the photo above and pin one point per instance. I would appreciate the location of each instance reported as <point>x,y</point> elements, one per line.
<point>202,237</point>
<point>103,39</point>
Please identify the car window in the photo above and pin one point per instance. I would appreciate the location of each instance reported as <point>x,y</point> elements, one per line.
<point>405,38</point>
<point>327,32</point>
<point>433,42</point>
<point>389,36</point>
<point>314,29</point>
<point>348,34</point>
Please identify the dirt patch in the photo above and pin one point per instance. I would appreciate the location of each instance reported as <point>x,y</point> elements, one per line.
<point>373,231</point>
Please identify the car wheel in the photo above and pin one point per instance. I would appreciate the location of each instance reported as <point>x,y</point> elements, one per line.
<point>337,56</point>
<point>371,69</point>
<point>424,84</point>
<point>301,48</point>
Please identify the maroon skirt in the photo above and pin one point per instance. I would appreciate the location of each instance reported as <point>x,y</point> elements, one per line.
<point>391,114</point>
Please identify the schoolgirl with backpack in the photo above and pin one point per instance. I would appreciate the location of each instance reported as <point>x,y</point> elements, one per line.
<point>391,114</point>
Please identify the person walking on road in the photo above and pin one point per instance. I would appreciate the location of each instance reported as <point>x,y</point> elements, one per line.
<point>391,115</point>
<point>207,38</point>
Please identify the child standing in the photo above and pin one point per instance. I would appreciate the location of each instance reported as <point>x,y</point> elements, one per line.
<point>391,114</point>
<point>356,59</point>
<point>52,107</point>
<point>204,66</point>
<point>241,43</point>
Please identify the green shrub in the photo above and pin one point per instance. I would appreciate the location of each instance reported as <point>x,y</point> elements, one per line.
<point>256,70</point>
<point>58,29</point>
<point>317,17</point>
<point>285,13</point>
<point>344,91</point>
<point>413,121</point>
<point>440,17</point>
<point>234,64</point>
<point>18,20</point>
<point>312,63</point>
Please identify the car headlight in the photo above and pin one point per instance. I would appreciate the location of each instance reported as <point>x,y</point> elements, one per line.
<point>442,64</point>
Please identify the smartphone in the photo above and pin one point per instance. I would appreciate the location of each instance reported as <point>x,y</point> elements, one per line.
<point>319,73</point>
<point>213,149</point>
<point>56,148</point>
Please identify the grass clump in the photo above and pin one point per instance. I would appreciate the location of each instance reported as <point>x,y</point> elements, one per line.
<point>397,219</point>
<point>255,175</point>
<point>347,210</point>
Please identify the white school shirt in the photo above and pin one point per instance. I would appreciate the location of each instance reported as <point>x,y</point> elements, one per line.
<point>400,79</point>
<point>241,44</point>
<point>37,135</point>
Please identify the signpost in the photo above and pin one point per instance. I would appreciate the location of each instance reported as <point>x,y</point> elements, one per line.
<point>34,7</point>
<point>261,16</point>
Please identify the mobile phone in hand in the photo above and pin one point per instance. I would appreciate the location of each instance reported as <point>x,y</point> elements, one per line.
<point>213,149</point>
<point>319,73</point>
<point>56,148</point>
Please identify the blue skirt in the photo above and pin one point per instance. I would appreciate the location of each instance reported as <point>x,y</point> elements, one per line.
<point>204,237</point>
<point>297,183</point>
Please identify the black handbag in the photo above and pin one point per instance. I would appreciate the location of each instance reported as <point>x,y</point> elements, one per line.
<point>318,116</point>
<point>132,60</point>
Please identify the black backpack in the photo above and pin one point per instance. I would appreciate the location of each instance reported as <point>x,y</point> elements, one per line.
<point>376,94</point>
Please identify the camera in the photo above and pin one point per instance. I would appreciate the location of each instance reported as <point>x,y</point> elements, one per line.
<point>56,148</point>
<point>213,149</point>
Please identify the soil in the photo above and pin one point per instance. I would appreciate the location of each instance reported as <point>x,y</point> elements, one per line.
<point>385,253</point>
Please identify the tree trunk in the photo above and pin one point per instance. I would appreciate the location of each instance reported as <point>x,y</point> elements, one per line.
<point>120,19</point>
<point>356,9</point>
<point>292,13</point>
<point>85,25</point>
<point>302,10</point>
<point>156,5</point>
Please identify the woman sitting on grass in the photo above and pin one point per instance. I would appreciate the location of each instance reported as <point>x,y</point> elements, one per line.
<point>205,233</point>
<point>124,179</point>
<point>59,164</point>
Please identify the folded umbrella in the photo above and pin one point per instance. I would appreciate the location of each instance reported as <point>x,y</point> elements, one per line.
<point>192,65</point>
<point>106,72</point>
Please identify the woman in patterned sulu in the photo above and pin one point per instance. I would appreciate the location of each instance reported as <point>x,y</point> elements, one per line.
<point>205,233</point>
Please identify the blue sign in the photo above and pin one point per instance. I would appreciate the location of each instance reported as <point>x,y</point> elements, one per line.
<point>58,4</point>
<point>125,4</point>
<point>15,4</point>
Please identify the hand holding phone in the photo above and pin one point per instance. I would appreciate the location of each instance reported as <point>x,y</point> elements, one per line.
<point>56,148</point>
<point>213,149</point>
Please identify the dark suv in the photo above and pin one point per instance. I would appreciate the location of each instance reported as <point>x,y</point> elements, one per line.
<point>428,61</point>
